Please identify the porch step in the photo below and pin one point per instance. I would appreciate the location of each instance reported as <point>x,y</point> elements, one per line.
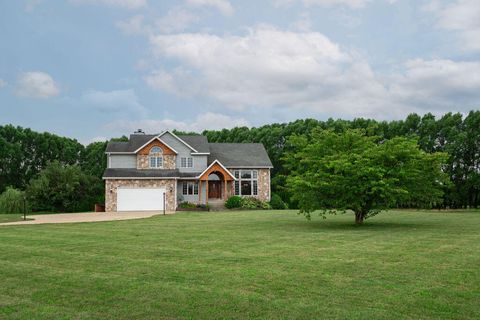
<point>216,205</point>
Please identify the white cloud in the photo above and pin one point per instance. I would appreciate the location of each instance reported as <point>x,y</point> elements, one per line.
<point>224,6</point>
<point>176,19</point>
<point>266,67</point>
<point>36,84</point>
<point>463,17</point>
<point>439,85</point>
<point>305,71</point>
<point>324,3</point>
<point>120,101</point>
<point>352,4</point>
<point>127,4</point>
<point>209,120</point>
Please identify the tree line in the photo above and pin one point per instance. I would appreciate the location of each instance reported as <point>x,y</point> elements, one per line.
<point>455,134</point>
<point>24,154</point>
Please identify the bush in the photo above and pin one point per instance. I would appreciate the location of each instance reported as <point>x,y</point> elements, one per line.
<point>12,201</point>
<point>233,202</point>
<point>254,203</point>
<point>187,205</point>
<point>277,203</point>
<point>246,203</point>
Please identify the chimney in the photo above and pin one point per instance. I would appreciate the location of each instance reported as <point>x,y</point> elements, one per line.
<point>139,131</point>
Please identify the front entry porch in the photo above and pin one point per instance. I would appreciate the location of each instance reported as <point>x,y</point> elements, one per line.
<point>218,183</point>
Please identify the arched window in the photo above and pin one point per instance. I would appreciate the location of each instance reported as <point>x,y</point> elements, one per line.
<point>156,157</point>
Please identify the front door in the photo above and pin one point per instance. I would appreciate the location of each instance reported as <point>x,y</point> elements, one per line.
<point>214,190</point>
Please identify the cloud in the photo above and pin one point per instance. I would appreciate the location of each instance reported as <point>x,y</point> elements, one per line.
<point>463,17</point>
<point>305,72</point>
<point>36,84</point>
<point>208,120</point>
<point>264,68</point>
<point>224,6</point>
<point>119,101</point>
<point>127,4</point>
<point>439,85</point>
<point>352,4</point>
<point>325,3</point>
<point>176,19</point>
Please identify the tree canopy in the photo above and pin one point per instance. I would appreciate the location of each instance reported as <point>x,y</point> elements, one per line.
<point>352,171</point>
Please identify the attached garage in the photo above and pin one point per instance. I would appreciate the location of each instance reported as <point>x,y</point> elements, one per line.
<point>140,199</point>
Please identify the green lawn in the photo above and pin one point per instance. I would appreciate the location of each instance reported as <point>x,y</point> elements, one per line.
<point>10,217</point>
<point>257,264</point>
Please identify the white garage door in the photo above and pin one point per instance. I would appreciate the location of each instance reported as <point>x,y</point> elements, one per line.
<point>140,199</point>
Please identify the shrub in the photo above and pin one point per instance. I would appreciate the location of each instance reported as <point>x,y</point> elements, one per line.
<point>254,203</point>
<point>233,202</point>
<point>277,203</point>
<point>12,201</point>
<point>187,205</point>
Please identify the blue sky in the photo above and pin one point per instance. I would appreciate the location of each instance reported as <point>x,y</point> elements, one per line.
<point>95,69</point>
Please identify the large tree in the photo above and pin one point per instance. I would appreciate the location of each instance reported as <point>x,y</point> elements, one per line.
<point>334,172</point>
<point>64,188</point>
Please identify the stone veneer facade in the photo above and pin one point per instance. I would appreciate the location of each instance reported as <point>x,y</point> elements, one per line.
<point>111,186</point>
<point>143,162</point>
<point>264,192</point>
<point>264,184</point>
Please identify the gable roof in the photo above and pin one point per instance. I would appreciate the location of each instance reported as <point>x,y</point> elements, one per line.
<point>231,155</point>
<point>239,155</point>
<point>136,141</point>
<point>153,139</point>
<point>216,162</point>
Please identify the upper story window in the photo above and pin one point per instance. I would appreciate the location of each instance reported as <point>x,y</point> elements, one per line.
<point>186,162</point>
<point>156,157</point>
<point>246,183</point>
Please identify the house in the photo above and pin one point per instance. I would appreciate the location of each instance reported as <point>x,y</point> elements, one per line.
<point>150,170</point>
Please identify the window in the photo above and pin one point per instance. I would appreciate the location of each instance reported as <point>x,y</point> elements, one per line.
<point>247,182</point>
<point>190,188</point>
<point>156,157</point>
<point>186,162</point>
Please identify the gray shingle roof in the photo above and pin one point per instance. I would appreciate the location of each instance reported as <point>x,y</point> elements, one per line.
<point>239,154</point>
<point>229,154</point>
<point>147,173</point>
<point>135,142</point>
<point>199,143</point>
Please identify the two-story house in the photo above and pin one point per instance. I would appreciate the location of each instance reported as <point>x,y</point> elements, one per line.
<point>150,170</point>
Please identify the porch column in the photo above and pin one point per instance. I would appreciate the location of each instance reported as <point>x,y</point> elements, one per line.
<point>225,189</point>
<point>206,195</point>
<point>199,191</point>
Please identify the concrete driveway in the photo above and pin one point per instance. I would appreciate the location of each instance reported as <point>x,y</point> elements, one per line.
<point>84,217</point>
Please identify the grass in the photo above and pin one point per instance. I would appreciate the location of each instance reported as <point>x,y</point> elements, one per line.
<point>247,264</point>
<point>11,217</point>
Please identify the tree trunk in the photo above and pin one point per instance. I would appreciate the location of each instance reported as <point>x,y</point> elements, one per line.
<point>359,217</point>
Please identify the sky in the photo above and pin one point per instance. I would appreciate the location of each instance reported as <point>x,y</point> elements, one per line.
<point>95,69</point>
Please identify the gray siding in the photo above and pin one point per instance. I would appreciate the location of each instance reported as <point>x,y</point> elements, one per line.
<point>199,162</point>
<point>190,198</point>
<point>122,161</point>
